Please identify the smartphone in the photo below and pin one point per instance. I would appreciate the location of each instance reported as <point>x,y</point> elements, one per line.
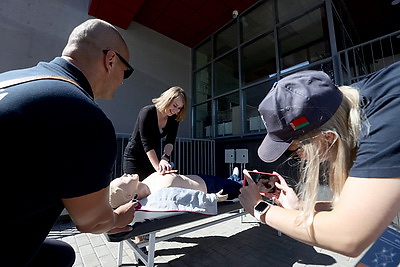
<point>256,175</point>
<point>265,182</point>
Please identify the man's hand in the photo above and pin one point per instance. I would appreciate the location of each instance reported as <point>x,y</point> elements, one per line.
<point>125,214</point>
<point>127,228</point>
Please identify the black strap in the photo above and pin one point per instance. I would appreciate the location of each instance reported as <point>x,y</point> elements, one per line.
<point>12,82</point>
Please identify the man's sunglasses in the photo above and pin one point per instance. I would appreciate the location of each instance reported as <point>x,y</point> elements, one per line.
<point>128,71</point>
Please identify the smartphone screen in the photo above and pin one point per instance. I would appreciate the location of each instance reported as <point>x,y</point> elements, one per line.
<point>265,183</point>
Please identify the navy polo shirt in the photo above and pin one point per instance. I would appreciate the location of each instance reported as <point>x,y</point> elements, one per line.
<point>55,143</point>
<point>379,146</point>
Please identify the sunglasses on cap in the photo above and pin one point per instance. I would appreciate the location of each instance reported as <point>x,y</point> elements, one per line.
<point>128,71</point>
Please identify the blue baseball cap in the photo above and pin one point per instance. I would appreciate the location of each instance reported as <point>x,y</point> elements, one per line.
<point>296,105</point>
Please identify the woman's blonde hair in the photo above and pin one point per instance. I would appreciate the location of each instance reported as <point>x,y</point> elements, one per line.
<point>330,166</point>
<point>166,99</point>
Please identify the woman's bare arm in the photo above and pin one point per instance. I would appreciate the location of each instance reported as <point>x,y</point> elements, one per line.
<point>366,207</point>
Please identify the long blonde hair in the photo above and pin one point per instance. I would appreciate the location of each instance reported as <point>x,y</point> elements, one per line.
<point>330,166</point>
<point>165,99</point>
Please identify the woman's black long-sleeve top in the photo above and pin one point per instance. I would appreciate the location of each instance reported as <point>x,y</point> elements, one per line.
<point>147,136</point>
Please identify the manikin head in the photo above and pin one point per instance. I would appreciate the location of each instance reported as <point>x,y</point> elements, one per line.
<point>122,189</point>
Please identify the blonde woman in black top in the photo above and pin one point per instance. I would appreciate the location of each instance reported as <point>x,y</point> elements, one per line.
<point>154,122</point>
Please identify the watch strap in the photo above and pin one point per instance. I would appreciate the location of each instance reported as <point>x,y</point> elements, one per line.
<point>166,157</point>
<point>258,216</point>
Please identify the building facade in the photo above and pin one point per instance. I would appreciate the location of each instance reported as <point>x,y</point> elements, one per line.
<point>233,69</point>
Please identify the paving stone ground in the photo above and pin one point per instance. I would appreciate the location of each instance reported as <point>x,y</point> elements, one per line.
<point>237,242</point>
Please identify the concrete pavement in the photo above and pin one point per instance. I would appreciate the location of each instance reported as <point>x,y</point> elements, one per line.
<point>238,242</point>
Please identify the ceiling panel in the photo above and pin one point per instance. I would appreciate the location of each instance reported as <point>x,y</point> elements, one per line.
<point>165,25</point>
<point>191,21</point>
<point>159,5</point>
<point>188,22</point>
<point>147,16</point>
<point>178,11</point>
<point>214,9</point>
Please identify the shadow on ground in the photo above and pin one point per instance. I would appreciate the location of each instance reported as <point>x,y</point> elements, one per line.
<point>257,246</point>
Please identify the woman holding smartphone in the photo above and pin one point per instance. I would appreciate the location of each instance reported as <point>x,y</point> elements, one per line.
<point>345,139</point>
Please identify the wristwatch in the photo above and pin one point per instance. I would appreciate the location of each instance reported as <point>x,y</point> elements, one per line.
<point>166,157</point>
<point>261,208</point>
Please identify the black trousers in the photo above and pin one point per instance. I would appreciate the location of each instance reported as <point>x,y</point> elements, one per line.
<point>141,167</point>
<point>55,253</point>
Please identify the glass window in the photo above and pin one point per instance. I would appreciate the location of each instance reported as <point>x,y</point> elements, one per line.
<point>202,84</point>
<point>258,59</point>
<point>202,54</point>
<point>226,74</point>
<point>304,41</point>
<point>226,39</point>
<point>228,115</point>
<point>203,121</point>
<point>345,32</point>
<point>252,98</point>
<point>274,35</point>
<point>257,21</point>
<point>289,8</point>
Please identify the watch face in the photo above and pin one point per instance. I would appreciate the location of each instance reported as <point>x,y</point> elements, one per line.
<point>261,206</point>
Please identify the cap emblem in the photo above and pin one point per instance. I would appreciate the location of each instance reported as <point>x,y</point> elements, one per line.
<point>299,123</point>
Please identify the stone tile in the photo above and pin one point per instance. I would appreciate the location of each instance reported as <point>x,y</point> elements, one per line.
<point>237,242</point>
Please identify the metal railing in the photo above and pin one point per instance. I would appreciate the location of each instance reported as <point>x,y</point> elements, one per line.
<point>190,156</point>
<point>360,60</point>
<point>194,156</point>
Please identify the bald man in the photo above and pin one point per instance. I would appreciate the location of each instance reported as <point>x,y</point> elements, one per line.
<point>52,129</point>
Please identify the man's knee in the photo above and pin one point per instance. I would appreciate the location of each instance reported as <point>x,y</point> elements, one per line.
<point>54,252</point>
